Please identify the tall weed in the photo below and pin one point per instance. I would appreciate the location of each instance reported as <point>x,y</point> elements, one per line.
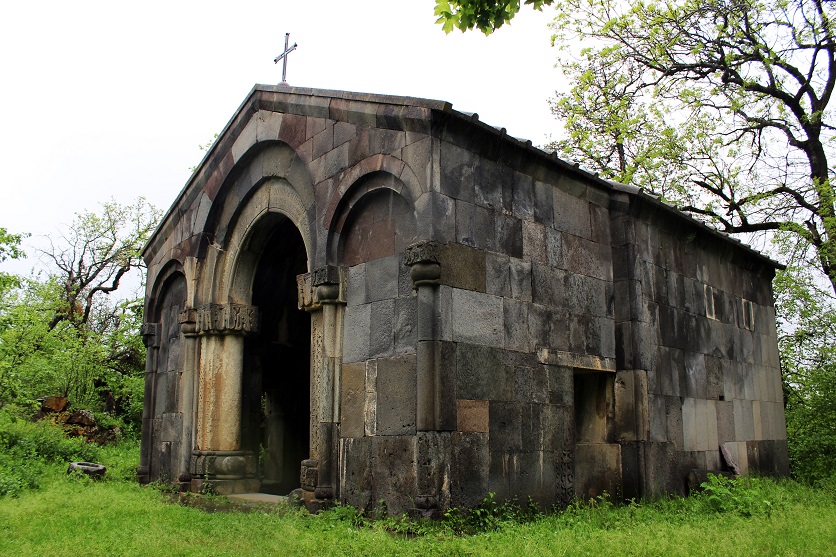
<point>26,448</point>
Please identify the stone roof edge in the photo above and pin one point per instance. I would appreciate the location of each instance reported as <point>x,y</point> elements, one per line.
<point>473,118</point>
<point>610,185</point>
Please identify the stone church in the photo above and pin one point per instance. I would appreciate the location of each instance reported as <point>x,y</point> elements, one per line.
<point>368,298</point>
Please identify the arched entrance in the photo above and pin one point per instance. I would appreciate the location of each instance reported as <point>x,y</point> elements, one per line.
<point>276,397</point>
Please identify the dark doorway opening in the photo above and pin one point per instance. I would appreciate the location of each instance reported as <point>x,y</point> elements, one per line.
<point>276,405</point>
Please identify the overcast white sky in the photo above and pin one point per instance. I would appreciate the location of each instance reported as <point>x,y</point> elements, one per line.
<point>105,99</point>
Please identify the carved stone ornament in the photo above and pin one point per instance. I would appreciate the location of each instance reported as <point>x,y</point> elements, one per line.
<point>421,252</point>
<point>226,318</point>
<point>326,285</point>
<point>150,336</point>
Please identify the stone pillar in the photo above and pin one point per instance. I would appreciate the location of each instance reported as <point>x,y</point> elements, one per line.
<point>425,271</point>
<point>433,446</point>
<point>188,392</point>
<point>322,293</point>
<point>151,339</point>
<point>218,457</point>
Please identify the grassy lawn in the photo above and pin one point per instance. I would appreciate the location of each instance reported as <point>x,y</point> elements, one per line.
<point>74,516</point>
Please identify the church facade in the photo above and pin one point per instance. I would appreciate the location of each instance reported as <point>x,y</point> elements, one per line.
<point>370,299</point>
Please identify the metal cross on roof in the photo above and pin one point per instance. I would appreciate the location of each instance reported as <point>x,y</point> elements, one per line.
<point>283,57</point>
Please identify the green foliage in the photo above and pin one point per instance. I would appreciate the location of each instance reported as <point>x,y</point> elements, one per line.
<point>720,107</point>
<point>69,330</point>
<point>490,515</point>
<point>746,496</point>
<point>807,319</point>
<point>485,15</point>
<point>9,249</point>
<point>26,448</point>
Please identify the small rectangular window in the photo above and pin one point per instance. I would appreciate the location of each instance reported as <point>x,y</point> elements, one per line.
<point>709,302</point>
<point>748,315</point>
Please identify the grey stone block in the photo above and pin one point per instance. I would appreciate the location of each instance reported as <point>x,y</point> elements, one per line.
<point>404,325</point>
<point>482,375</point>
<point>497,275</point>
<point>457,172</point>
<point>523,196</point>
<point>356,285</point>
<point>531,384</point>
<point>475,226</point>
<point>382,278</point>
<point>561,389</point>
<point>477,318</point>
<point>543,203</point>
<point>469,473</point>
<point>489,182</point>
<point>381,335</point>
<point>534,241</point>
<point>352,400</point>
<point>357,333</point>
<point>509,235</point>
<point>356,472</point>
<point>572,214</point>
<point>515,314</point>
<point>396,392</point>
<point>548,286</point>
<point>394,473</point>
<point>505,426</point>
<point>520,277</point>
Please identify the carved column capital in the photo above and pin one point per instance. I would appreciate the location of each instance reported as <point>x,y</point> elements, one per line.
<point>188,321</point>
<point>423,259</point>
<point>325,285</point>
<point>218,319</point>
<point>150,335</point>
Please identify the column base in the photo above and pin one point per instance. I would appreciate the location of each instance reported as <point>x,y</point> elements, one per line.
<point>224,472</point>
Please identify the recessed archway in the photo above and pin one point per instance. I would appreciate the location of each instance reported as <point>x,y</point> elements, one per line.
<point>276,376</point>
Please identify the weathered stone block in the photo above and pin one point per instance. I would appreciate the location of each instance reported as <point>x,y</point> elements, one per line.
<point>394,472</point>
<point>481,374</point>
<point>396,402</point>
<point>357,333</point>
<point>356,473</point>
<point>463,267</point>
<point>520,279</point>
<point>470,469</point>
<point>381,335</point>
<point>497,275</point>
<point>352,400</point>
<point>505,426</point>
<point>477,318</point>
<point>473,416</point>
<point>597,469</point>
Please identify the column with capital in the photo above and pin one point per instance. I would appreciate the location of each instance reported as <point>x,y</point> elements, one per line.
<point>322,294</point>
<point>218,457</point>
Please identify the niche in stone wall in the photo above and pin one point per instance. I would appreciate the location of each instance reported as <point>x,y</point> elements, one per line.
<point>597,460</point>
<point>167,420</point>
<point>380,223</point>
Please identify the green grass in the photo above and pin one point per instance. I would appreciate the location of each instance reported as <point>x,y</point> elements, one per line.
<point>116,517</point>
<point>56,514</point>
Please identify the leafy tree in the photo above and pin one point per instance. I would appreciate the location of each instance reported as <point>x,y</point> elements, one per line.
<point>92,257</point>
<point>67,331</point>
<point>485,15</point>
<point>9,249</point>
<point>750,83</point>
<point>723,105</point>
<point>807,327</point>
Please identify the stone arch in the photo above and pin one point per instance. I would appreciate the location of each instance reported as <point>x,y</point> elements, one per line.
<point>166,273</point>
<point>275,199</point>
<point>263,162</point>
<point>162,445</point>
<point>366,186</point>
